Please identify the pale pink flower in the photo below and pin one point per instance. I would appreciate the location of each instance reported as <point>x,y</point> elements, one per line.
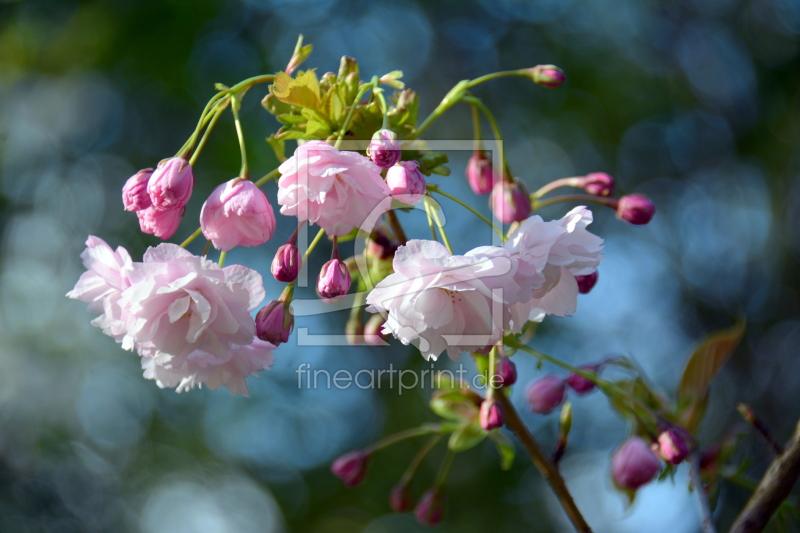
<point>336,190</point>
<point>203,368</point>
<point>439,301</point>
<point>179,303</point>
<point>105,278</point>
<point>134,193</point>
<point>237,213</point>
<point>162,224</point>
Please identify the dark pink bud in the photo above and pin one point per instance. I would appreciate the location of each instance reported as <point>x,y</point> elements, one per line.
<point>480,174</point>
<point>586,283</point>
<point>580,384</point>
<point>406,182</point>
<point>170,186</point>
<point>134,192</point>
<point>274,322</point>
<point>491,415</point>
<point>373,331</point>
<point>635,208</point>
<point>286,263</point>
<point>400,499</point>
<point>506,371</point>
<point>384,150</point>
<point>430,508</point>
<point>162,224</point>
<point>598,184</point>
<point>549,76</point>
<point>334,279</point>
<point>380,245</point>
<point>545,394</point>
<point>510,202</point>
<point>351,467</point>
<point>634,464</point>
<point>675,444</point>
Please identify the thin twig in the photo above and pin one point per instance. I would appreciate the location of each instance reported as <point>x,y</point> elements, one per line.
<point>543,464</point>
<point>702,496</point>
<point>399,234</point>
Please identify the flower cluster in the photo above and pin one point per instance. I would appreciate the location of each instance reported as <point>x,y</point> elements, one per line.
<point>188,318</point>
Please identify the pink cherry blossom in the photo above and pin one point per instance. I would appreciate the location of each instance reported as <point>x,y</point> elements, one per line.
<point>162,224</point>
<point>179,303</point>
<point>134,193</point>
<point>336,190</point>
<point>102,284</point>
<point>170,186</point>
<point>406,182</point>
<point>203,368</point>
<point>439,301</point>
<point>237,213</point>
<point>634,464</point>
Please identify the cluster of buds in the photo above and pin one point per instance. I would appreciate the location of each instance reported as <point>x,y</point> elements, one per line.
<point>547,393</point>
<point>636,463</point>
<point>159,197</point>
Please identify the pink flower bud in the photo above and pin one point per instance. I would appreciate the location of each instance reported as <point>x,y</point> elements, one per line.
<point>237,213</point>
<point>598,184</point>
<point>384,150</point>
<point>480,173</point>
<point>635,208</point>
<point>400,499</point>
<point>373,331</point>
<point>162,224</point>
<point>430,508</point>
<point>351,467</point>
<point>549,76</point>
<point>134,192</point>
<point>170,186</point>
<point>510,202</point>
<point>334,279</point>
<point>580,384</point>
<point>506,371</point>
<point>587,282</point>
<point>286,264</point>
<point>406,183</point>
<point>274,323</point>
<point>545,394</point>
<point>634,464</point>
<point>491,415</point>
<point>675,444</point>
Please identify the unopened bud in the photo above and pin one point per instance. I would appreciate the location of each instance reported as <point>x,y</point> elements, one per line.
<point>634,464</point>
<point>430,508</point>
<point>549,76</point>
<point>384,150</point>
<point>545,394</point>
<point>274,322</point>
<point>636,208</point>
<point>286,263</point>
<point>506,371</point>
<point>134,193</point>
<point>491,415</point>
<point>586,282</point>
<point>334,279</point>
<point>171,184</point>
<point>580,384</point>
<point>400,499</point>
<point>510,202</point>
<point>351,467</point>
<point>162,224</point>
<point>480,173</point>
<point>597,184</point>
<point>675,444</point>
<point>406,183</point>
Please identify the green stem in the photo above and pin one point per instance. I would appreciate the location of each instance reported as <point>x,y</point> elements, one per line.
<point>492,371</point>
<point>378,92</point>
<point>435,188</point>
<point>419,457</point>
<point>495,128</point>
<point>271,175</point>
<point>244,173</point>
<point>313,244</point>
<point>553,185</point>
<point>426,429</point>
<point>206,248</point>
<point>399,234</point>
<point>202,121</point>
<point>191,237</point>
<point>222,257</point>
<point>444,470</point>
<point>476,127</point>
<point>494,75</point>
<point>217,112</point>
<point>361,92</point>
<point>610,202</point>
<point>442,232</point>
<point>430,221</point>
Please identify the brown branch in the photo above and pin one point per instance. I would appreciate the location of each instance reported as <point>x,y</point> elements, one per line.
<point>772,490</point>
<point>399,234</point>
<point>543,464</point>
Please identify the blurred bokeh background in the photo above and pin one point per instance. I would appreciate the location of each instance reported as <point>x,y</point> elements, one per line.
<point>694,102</point>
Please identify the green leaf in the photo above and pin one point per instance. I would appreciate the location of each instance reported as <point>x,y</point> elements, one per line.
<point>288,135</point>
<point>467,436</point>
<point>506,449</point>
<point>441,170</point>
<point>278,146</point>
<point>275,106</point>
<point>703,365</point>
<point>301,91</point>
<point>455,404</point>
<point>290,119</point>
<point>317,129</point>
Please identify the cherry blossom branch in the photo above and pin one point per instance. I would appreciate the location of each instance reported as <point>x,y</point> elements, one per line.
<point>538,204</point>
<point>542,463</point>
<point>772,490</point>
<point>399,234</point>
<point>707,520</point>
<point>435,188</point>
